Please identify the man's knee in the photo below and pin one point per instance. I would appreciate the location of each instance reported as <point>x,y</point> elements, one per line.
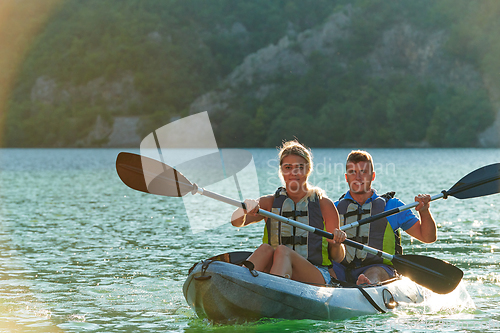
<point>377,272</point>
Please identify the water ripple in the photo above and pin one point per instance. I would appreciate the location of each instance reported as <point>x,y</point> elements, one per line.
<point>80,251</point>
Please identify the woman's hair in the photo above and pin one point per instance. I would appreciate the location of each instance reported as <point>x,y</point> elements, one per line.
<point>296,148</point>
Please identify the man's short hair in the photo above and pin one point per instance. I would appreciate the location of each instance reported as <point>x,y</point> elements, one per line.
<point>356,156</point>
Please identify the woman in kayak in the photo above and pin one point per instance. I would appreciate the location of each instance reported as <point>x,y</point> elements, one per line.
<point>286,250</point>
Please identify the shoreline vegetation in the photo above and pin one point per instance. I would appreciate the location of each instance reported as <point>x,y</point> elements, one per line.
<point>403,73</point>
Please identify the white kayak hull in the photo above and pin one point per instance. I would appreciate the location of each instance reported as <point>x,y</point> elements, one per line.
<point>223,291</point>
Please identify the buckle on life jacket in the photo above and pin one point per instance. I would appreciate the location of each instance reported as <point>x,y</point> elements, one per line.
<point>357,213</point>
<point>295,213</point>
<point>360,239</point>
<point>294,240</point>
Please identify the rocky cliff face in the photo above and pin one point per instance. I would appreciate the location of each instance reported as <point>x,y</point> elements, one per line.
<point>491,136</point>
<point>402,49</point>
<point>117,96</point>
<point>406,50</point>
<point>114,95</point>
<point>290,55</point>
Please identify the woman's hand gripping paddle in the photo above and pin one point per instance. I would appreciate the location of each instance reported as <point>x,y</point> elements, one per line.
<point>434,274</point>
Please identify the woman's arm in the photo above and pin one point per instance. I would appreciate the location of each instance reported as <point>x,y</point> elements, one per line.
<point>241,218</point>
<point>331,217</point>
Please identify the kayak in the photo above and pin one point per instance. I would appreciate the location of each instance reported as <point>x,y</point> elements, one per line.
<point>222,289</point>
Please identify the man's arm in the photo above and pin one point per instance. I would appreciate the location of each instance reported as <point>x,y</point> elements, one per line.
<point>424,229</point>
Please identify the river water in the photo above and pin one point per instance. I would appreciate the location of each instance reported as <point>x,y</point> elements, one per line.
<point>81,252</point>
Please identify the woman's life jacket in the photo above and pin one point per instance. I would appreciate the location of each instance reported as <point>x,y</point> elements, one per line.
<point>377,234</point>
<point>309,245</point>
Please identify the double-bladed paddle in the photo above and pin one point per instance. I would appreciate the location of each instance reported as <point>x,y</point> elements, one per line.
<point>480,182</point>
<point>434,274</point>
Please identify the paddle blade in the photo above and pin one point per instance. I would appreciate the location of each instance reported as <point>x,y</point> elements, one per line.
<point>151,176</point>
<point>478,183</point>
<point>437,275</point>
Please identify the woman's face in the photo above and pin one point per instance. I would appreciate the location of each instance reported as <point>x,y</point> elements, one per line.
<point>294,169</point>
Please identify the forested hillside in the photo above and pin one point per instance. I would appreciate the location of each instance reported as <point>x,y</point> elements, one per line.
<point>98,60</point>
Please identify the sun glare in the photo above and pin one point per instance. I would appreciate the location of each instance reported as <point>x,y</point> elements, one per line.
<point>20,22</point>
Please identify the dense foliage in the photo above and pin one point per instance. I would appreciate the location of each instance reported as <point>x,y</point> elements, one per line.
<point>349,111</point>
<point>179,49</point>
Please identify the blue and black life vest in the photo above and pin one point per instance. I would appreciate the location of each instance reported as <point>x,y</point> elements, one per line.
<point>377,234</point>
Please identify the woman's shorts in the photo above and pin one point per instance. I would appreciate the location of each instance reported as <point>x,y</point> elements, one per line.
<point>326,274</point>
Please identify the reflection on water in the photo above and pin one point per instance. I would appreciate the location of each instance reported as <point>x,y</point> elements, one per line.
<point>80,251</point>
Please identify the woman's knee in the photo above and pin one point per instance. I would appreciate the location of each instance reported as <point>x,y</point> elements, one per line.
<point>265,249</point>
<point>282,251</point>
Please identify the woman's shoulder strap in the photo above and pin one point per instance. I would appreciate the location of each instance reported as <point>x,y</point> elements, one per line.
<point>279,192</point>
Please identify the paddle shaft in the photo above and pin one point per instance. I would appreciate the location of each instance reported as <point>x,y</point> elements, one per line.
<point>440,277</point>
<point>294,223</point>
<point>387,213</point>
<point>480,182</point>
<point>483,181</point>
<point>432,273</point>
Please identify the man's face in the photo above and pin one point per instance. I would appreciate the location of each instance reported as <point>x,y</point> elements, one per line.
<point>359,176</point>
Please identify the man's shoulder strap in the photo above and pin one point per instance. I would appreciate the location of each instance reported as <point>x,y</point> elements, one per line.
<point>342,196</point>
<point>388,196</point>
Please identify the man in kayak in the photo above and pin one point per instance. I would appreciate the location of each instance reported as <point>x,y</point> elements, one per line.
<point>362,201</point>
<point>286,250</point>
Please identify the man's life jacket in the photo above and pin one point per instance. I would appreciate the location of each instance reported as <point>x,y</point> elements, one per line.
<point>377,234</point>
<point>309,245</point>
